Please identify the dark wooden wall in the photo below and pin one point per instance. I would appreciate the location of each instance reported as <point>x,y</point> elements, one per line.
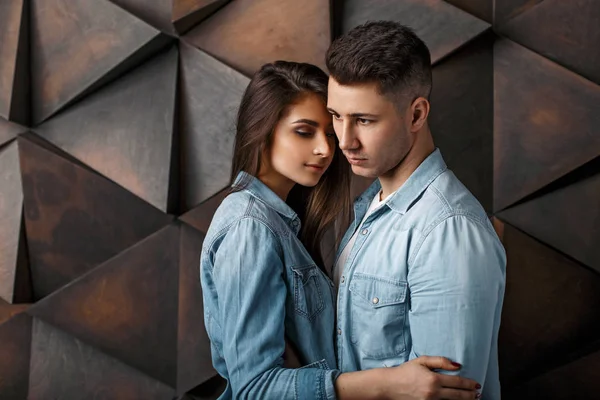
<point>116,129</point>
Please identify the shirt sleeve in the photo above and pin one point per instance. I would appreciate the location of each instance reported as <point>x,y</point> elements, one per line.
<point>251,288</point>
<point>456,282</point>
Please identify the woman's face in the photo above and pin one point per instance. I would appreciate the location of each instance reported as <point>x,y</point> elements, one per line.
<point>302,145</point>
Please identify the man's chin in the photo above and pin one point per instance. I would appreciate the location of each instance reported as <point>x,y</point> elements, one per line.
<point>364,171</point>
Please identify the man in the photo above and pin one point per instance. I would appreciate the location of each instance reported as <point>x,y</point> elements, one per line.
<point>420,270</point>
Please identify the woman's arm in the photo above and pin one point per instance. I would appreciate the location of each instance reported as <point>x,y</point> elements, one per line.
<point>251,290</point>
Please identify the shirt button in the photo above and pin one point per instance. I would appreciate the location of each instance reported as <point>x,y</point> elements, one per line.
<point>375,300</point>
<point>343,279</point>
<point>339,331</point>
<point>365,231</point>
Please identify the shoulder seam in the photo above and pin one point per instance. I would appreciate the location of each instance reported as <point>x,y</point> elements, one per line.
<point>246,216</point>
<point>444,217</point>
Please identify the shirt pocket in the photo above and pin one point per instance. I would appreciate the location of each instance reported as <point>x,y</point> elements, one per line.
<point>308,293</point>
<point>378,315</point>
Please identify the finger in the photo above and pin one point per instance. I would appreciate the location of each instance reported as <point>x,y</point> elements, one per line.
<point>438,363</point>
<point>453,394</point>
<point>457,382</point>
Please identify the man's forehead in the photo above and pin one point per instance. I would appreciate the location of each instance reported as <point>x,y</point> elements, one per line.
<point>370,87</point>
<point>354,98</point>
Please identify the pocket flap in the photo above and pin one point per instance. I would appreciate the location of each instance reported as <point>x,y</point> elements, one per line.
<point>378,291</point>
<point>305,272</point>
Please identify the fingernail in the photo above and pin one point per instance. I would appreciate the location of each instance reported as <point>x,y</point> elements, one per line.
<point>456,364</point>
<point>478,386</point>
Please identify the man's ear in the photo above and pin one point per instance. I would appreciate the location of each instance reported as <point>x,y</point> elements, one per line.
<point>420,111</point>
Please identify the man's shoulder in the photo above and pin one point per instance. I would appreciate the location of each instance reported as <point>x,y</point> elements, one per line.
<point>446,198</point>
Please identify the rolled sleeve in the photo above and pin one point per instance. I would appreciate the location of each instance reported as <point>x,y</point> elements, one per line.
<point>456,284</point>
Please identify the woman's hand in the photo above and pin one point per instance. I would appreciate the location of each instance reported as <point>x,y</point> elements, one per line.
<point>415,380</point>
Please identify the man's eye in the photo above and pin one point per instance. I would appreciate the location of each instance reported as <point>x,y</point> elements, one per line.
<point>364,121</point>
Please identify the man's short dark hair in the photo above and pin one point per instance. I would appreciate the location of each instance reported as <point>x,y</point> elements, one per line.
<point>386,53</point>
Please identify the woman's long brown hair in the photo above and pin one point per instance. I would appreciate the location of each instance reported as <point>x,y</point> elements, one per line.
<point>271,91</point>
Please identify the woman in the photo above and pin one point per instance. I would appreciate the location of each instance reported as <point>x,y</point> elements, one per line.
<point>261,283</point>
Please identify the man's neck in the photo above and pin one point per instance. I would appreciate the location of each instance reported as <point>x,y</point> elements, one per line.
<point>396,177</point>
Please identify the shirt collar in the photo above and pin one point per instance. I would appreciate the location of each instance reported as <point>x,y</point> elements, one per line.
<point>262,192</point>
<point>403,198</point>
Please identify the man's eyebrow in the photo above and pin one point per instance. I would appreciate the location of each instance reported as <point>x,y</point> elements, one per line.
<point>361,115</point>
<point>354,115</point>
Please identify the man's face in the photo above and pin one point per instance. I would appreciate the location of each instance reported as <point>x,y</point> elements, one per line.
<point>372,132</point>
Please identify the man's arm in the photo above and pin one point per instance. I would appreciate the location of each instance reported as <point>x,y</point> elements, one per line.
<point>456,279</point>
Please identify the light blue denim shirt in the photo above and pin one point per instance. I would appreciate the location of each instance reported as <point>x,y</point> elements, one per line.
<point>425,276</point>
<point>259,283</point>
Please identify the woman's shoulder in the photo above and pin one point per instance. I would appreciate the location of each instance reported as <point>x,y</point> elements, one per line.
<point>242,211</point>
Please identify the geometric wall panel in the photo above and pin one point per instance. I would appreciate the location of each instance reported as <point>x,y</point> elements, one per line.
<point>211,93</point>
<point>465,78</point>
<point>571,41</point>
<point>194,363</point>
<point>75,219</point>
<point>576,380</point>
<point>79,45</point>
<point>248,33</point>
<point>575,209</point>
<point>14,53</point>
<point>551,308</point>
<point>14,277</point>
<point>126,307</point>
<point>15,343</point>
<point>156,12</point>
<point>200,216</point>
<point>7,310</point>
<point>482,9</point>
<point>443,27</point>
<point>9,130</point>
<point>505,10</point>
<point>63,367</point>
<point>546,122</point>
<point>171,16</point>
<point>125,129</point>
<point>187,13</point>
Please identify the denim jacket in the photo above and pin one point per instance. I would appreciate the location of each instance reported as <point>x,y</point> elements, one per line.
<point>425,276</point>
<point>260,285</point>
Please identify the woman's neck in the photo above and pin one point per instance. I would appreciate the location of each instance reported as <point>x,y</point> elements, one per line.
<point>279,184</point>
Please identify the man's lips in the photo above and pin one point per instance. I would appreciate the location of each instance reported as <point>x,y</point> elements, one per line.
<point>356,160</point>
